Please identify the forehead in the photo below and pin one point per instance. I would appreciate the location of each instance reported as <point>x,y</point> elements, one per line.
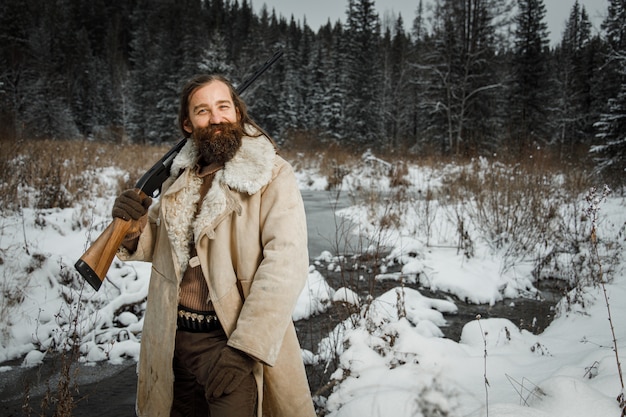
<point>210,93</point>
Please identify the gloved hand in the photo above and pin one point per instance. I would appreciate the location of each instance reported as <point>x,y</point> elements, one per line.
<point>231,368</point>
<point>130,205</point>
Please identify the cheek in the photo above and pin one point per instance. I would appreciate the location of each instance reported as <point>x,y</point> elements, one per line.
<point>231,116</point>
<point>196,122</point>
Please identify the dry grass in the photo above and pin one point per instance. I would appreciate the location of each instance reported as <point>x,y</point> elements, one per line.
<point>55,170</point>
<point>306,151</point>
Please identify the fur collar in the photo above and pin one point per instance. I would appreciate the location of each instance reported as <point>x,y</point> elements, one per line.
<point>248,172</point>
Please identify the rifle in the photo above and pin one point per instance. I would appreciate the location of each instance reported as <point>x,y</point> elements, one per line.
<point>96,261</point>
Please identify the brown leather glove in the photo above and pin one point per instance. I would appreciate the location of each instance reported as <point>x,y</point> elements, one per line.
<point>232,367</point>
<point>130,205</point>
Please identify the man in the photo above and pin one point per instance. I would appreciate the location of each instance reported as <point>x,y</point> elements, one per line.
<point>227,242</point>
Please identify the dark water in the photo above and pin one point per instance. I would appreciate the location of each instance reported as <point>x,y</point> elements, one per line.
<point>533,315</point>
<point>327,230</point>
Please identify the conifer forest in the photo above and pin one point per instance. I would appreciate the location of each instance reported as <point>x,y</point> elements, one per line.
<point>458,78</point>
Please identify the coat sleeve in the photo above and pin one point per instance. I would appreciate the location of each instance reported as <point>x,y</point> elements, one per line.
<point>282,273</point>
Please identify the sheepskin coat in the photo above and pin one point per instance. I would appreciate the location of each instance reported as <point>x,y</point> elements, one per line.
<point>250,236</point>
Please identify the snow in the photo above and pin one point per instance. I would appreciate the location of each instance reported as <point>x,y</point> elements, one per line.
<point>394,358</point>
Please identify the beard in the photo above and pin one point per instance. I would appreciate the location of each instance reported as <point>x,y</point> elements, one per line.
<point>217,143</point>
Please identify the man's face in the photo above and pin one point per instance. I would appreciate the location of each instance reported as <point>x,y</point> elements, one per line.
<point>210,104</point>
<point>214,123</point>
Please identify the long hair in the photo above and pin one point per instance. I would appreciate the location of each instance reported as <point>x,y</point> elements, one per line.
<point>204,79</point>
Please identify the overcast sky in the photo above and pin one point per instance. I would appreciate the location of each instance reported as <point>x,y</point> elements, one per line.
<point>318,12</point>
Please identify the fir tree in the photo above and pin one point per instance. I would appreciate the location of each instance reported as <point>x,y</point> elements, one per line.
<point>610,152</point>
<point>575,70</point>
<point>363,121</point>
<point>397,94</point>
<point>529,96</point>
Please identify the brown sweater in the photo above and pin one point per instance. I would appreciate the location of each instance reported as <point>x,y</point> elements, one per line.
<point>194,293</point>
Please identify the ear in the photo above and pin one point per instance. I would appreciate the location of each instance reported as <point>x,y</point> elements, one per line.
<point>187,126</point>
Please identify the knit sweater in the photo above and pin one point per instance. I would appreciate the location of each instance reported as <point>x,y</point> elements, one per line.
<point>194,292</point>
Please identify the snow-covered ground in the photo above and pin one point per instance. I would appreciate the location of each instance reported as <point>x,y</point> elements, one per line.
<point>394,360</point>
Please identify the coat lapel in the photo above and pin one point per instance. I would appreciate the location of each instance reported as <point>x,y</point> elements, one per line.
<point>248,171</point>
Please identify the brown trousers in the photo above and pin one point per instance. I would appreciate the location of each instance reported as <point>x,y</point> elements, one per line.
<point>194,355</point>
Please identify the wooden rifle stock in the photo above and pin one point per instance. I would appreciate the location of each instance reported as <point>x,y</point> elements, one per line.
<point>96,261</point>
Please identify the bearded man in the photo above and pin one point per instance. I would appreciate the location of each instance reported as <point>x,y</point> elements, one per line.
<point>228,246</point>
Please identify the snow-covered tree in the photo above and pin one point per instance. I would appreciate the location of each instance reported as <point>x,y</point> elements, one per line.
<point>574,71</point>
<point>363,121</point>
<point>610,151</point>
<point>530,93</point>
<point>459,70</point>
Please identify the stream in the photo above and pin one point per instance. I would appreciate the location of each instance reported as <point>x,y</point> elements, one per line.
<point>328,231</point>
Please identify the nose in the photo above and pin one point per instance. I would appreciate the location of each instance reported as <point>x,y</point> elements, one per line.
<point>215,119</point>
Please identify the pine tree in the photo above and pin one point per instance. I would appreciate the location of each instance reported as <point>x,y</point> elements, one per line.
<point>153,77</point>
<point>363,121</point>
<point>330,93</point>
<point>529,96</point>
<point>195,41</point>
<point>610,151</point>
<point>397,94</point>
<point>290,103</point>
<point>263,96</point>
<point>212,58</point>
<point>419,116</point>
<point>575,69</point>
<point>17,72</point>
<point>47,110</point>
